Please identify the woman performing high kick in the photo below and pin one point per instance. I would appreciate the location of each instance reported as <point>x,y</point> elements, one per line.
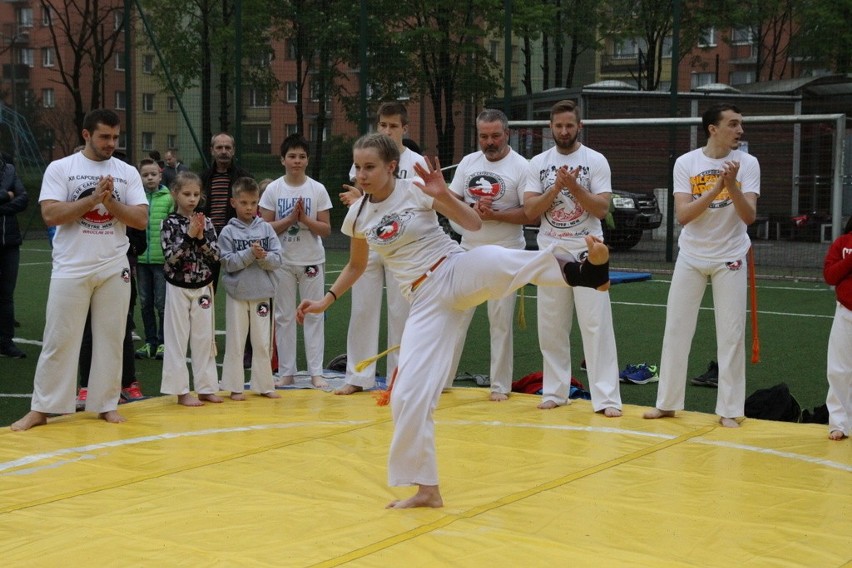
<point>397,219</point>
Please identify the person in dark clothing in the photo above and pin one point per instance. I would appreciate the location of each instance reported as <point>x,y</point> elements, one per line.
<point>13,200</point>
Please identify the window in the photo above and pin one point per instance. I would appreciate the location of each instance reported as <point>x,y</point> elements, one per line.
<point>148,63</point>
<point>258,98</point>
<point>122,140</point>
<point>119,62</point>
<point>292,92</point>
<point>171,140</point>
<point>290,129</point>
<point>742,36</point>
<point>120,100</point>
<point>314,133</point>
<point>262,60</point>
<point>742,77</point>
<point>263,136</point>
<point>494,47</point>
<point>47,57</point>
<point>147,102</point>
<point>701,79</point>
<point>48,98</point>
<point>118,20</point>
<point>46,17</point>
<point>148,141</point>
<point>628,48</point>
<point>290,49</point>
<point>315,88</point>
<point>25,17</point>
<point>26,56</point>
<point>707,37</point>
<point>667,47</point>
<point>171,104</point>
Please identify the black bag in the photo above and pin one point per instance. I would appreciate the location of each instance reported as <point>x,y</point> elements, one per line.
<point>774,403</point>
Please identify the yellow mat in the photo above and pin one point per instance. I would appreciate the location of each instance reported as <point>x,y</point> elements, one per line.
<point>301,481</point>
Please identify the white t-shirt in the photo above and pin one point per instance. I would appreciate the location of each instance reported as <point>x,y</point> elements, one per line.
<point>407,159</point>
<point>300,247</point>
<point>566,223</point>
<point>503,181</point>
<point>718,234</point>
<point>97,239</point>
<point>403,229</point>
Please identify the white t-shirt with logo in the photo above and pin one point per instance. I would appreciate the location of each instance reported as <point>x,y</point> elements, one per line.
<point>405,170</point>
<point>718,234</point>
<point>97,239</point>
<point>503,181</point>
<point>403,229</point>
<point>566,222</point>
<point>299,245</point>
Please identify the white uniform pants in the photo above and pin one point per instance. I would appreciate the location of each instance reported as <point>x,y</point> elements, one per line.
<point>244,317</point>
<point>189,317</point>
<point>730,292</point>
<point>310,285</point>
<point>839,400</point>
<point>68,301</point>
<point>362,339</point>
<point>594,315</point>
<point>461,282</point>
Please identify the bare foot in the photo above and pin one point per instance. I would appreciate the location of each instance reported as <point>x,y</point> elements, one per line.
<point>729,422</point>
<point>426,496</point>
<point>284,381</point>
<point>833,435</point>
<point>112,416</point>
<point>189,400</point>
<point>319,382</point>
<point>499,396</point>
<point>611,412</point>
<point>348,389</point>
<point>270,394</point>
<point>31,419</point>
<point>547,405</point>
<point>210,398</point>
<point>657,413</point>
<point>238,396</point>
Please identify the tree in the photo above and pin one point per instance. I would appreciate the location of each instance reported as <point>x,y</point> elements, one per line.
<point>825,37</point>
<point>84,35</point>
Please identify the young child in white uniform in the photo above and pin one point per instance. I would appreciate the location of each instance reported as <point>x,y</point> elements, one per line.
<point>837,271</point>
<point>298,207</point>
<point>398,219</point>
<point>251,256</point>
<point>190,248</point>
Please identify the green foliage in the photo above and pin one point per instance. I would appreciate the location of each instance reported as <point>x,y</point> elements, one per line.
<point>825,35</point>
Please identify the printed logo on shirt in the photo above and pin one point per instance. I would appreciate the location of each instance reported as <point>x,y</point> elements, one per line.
<point>389,229</point>
<point>99,218</point>
<point>564,212</point>
<point>263,309</point>
<point>205,302</point>
<point>485,184</point>
<point>312,271</point>
<point>734,265</point>
<point>706,181</point>
<point>125,275</point>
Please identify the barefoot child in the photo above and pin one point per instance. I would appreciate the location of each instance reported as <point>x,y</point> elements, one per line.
<point>189,246</point>
<point>837,271</point>
<point>251,254</point>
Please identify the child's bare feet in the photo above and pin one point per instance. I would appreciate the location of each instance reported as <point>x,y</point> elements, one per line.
<point>319,382</point>
<point>348,389</point>
<point>499,396</point>
<point>112,416</point>
<point>31,419</point>
<point>598,251</point>
<point>284,381</point>
<point>210,398</point>
<point>426,496</point>
<point>189,399</point>
<point>612,412</point>
<point>270,394</point>
<point>547,405</point>
<point>833,435</point>
<point>657,413</point>
<point>238,396</point>
<point>729,422</point>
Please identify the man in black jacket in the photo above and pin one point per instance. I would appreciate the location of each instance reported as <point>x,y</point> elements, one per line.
<point>13,200</point>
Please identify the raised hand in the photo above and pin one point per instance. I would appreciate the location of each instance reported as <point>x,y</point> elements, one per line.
<point>433,183</point>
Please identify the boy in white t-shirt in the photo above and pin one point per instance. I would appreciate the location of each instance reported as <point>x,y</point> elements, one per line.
<point>298,207</point>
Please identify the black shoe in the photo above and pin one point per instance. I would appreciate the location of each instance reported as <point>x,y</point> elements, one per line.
<point>12,351</point>
<point>710,378</point>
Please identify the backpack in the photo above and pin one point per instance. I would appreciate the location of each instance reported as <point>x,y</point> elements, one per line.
<point>773,403</point>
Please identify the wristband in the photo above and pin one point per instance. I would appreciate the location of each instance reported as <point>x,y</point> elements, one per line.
<point>333,294</point>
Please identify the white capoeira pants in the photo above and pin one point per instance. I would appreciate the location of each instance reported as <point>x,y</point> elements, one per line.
<point>460,283</point>
<point>362,339</point>
<point>730,293</point>
<point>55,385</point>
<point>189,318</point>
<point>594,315</point>
<point>310,285</point>
<point>839,399</point>
<point>242,318</point>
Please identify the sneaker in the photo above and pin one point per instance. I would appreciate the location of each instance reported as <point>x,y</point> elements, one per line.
<point>643,374</point>
<point>133,392</point>
<point>161,352</point>
<point>629,368</point>
<point>81,399</point>
<point>710,378</point>
<point>11,350</point>
<point>135,336</point>
<point>145,352</point>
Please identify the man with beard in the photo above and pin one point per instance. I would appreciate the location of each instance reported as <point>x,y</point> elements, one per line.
<point>568,187</point>
<point>491,181</point>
